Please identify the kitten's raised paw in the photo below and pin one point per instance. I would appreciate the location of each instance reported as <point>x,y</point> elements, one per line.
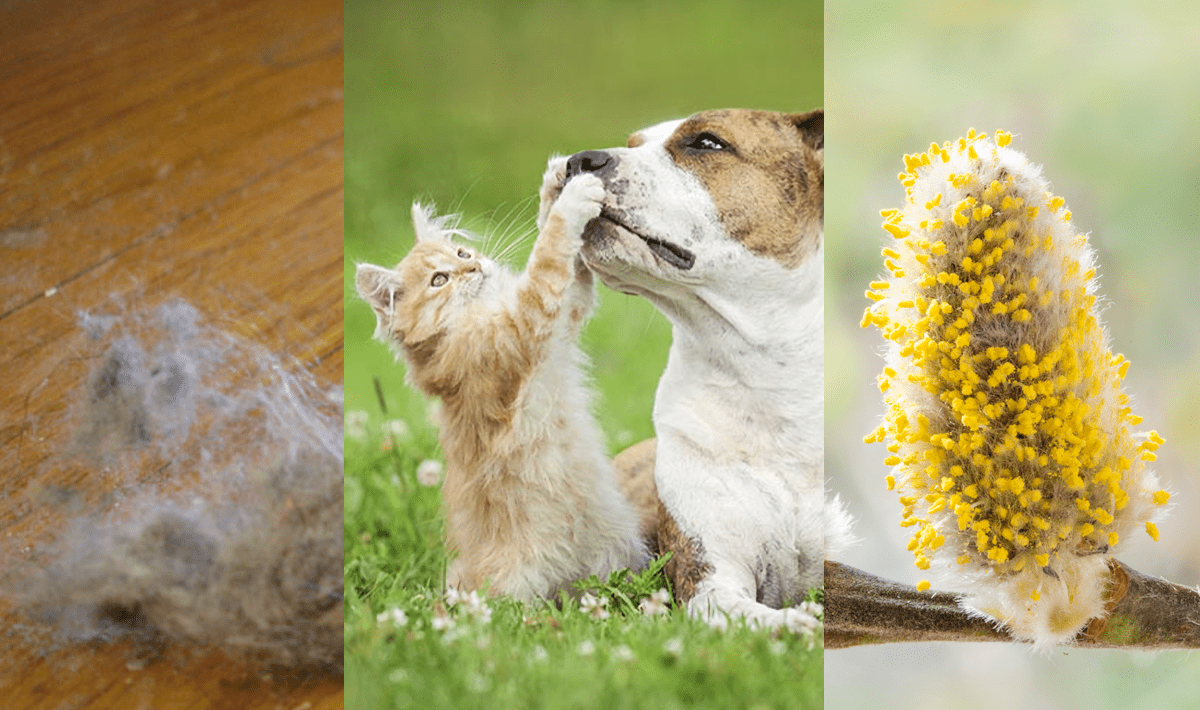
<point>580,202</point>
<point>552,184</point>
<point>554,178</point>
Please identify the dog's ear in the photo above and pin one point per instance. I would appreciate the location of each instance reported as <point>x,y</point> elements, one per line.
<point>812,127</point>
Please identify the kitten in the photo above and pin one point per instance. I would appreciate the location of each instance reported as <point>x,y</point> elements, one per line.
<point>530,498</point>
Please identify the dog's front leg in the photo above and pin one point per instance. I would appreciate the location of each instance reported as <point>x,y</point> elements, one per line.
<point>719,587</point>
<point>732,536</point>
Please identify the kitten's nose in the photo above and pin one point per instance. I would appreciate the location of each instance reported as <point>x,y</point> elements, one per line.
<point>591,161</point>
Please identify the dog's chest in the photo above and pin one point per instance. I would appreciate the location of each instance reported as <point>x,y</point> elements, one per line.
<point>739,463</point>
<point>763,518</point>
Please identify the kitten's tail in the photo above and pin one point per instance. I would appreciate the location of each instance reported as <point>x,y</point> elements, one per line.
<point>428,226</point>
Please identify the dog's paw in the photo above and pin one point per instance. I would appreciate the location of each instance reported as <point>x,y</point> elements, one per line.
<point>799,621</point>
<point>552,184</point>
<point>580,202</point>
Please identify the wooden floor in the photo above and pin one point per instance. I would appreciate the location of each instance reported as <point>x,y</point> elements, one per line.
<point>154,149</point>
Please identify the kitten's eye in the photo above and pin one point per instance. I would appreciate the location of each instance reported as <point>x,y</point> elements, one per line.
<point>707,141</point>
<point>439,279</point>
<point>464,254</point>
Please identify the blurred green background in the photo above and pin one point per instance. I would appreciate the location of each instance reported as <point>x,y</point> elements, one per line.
<point>461,103</point>
<point>1106,96</point>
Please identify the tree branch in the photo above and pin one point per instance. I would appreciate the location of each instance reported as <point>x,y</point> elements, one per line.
<point>1143,613</point>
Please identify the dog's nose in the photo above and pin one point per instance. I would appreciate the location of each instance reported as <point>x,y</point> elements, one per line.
<point>591,161</point>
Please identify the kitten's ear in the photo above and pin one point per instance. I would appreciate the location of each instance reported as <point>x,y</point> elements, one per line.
<point>427,226</point>
<point>379,287</point>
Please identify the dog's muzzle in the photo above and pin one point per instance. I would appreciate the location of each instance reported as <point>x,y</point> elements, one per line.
<point>597,162</point>
<point>603,165</point>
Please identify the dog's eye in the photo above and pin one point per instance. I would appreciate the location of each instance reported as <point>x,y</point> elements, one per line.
<point>707,141</point>
<point>464,254</point>
<point>439,279</point>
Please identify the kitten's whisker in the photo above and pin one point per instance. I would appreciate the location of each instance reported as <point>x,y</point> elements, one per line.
<point>516,215</point>
<point>515,244</point>
<point>461,200</point>
<point>499,226</point>
<point>506,241</point>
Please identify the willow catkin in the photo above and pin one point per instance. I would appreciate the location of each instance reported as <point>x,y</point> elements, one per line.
<point>1010,439</point>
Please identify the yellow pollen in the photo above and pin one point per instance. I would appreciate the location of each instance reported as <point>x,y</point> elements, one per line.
<point>1024,443</point>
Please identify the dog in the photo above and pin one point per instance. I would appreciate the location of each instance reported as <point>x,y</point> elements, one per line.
<point>718,220</point>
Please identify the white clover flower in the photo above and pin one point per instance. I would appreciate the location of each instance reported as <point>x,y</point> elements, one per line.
<point>656,603</point>
<point>777,648</point>
<point>593,607</point>
<point>539,654</point>
<point>356,425</point>
<point>673,647</point>
<point>482,614</point>
<point>429,472</point>
<point>477,683</point>
<point>394,615</point>
<point>623,653</point>
<point>586,648</point>
<point>1010,440</point>
<point>472,602</point>
<point>442,620</point>
<point>395,429</point>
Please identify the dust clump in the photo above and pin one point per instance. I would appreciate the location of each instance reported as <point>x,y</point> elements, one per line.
<point>212,501</point>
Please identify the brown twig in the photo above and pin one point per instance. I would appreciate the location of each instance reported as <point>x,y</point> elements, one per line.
<point>1144,613</point>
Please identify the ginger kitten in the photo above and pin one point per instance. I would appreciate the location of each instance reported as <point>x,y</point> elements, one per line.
<point>531,501</point>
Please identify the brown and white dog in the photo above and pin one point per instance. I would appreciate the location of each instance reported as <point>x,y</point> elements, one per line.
<point>718,220</point>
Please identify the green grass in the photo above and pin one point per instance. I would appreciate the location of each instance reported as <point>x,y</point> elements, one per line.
<point>461,103</point>
<point>528,655</point>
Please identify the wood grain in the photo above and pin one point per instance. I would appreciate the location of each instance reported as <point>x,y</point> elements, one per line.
<point>151,150</point>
